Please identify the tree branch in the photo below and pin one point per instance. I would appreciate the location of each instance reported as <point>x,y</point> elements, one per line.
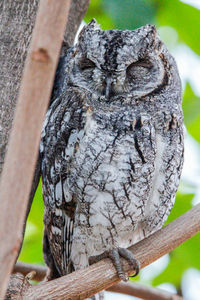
<point>25,268</point>
<point>25,136</point>
<point>85,283</point>
<point>142,291</point>
<point>130,288</point>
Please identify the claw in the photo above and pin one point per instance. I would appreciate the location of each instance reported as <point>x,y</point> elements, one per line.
<point>115,255</point>
<point>128,255</point>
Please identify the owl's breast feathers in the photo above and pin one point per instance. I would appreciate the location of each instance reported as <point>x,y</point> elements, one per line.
<point>105,175</point>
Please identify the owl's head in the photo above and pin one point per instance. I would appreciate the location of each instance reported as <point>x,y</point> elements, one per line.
<point>123,63</point>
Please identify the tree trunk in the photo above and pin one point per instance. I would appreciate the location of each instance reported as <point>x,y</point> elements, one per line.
<point>16,24</point>
<point>17,19</point>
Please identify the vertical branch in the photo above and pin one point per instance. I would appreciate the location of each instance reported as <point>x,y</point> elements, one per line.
<point>24,140</point>
<point>17,19</point>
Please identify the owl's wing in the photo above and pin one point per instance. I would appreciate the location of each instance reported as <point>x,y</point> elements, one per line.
<point>61,134</point>
<point>142,171</point>
<point>155,171</point>
<point>167,170</point>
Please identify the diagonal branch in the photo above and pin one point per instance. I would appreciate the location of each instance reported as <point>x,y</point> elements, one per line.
<point>129,288</point>
<point>23,147</point>
<point>85,283</point>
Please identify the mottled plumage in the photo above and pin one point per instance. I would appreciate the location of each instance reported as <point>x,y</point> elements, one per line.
<point>112,145</point>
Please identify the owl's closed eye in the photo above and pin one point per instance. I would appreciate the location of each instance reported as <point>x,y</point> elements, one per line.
<point>119,69</point>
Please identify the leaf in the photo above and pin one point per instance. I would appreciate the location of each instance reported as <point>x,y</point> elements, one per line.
<point>184,18</point>
<point>191,110</point>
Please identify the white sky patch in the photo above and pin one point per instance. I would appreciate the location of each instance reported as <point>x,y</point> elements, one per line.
<point>169,36</point>
<point>191,167</point>
<point>154,269</point>
<point>195,3</point>
<point>191,284</point>
<point>167,287</point>
<point>189,66</point>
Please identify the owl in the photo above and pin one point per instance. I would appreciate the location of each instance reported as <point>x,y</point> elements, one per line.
<point>111,147</point>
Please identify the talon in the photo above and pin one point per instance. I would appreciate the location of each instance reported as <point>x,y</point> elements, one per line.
<point>128,255</point>
<point>115,255</point>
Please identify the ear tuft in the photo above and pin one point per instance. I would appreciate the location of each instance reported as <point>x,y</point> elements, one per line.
<point>93,25</point>
<point>151,35</point>
<point>90,27</point>
<point>150,30</point>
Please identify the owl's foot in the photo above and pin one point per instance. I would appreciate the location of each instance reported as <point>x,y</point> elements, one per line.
<point>115,255</point>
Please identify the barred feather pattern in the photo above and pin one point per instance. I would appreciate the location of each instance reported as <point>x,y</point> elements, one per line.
<point>111,165</point>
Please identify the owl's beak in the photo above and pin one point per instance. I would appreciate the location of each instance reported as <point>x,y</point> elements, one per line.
<point>108,88</point>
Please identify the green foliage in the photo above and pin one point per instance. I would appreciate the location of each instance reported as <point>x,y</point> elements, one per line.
<point>130,14</point>
<point>184,18</point>
<point>96,10</point>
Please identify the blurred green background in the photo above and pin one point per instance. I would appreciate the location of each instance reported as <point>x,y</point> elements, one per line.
<point>178,24</point>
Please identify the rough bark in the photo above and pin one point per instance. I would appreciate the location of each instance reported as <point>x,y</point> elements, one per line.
<point>17,285</point>
<point>129,288</point>
<point>17,19</point>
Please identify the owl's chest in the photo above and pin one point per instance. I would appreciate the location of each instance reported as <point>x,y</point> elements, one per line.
<point>104,151</point>
<point>111,172</point>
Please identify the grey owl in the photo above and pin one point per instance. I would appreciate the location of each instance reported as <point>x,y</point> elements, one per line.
<point>111,147</point>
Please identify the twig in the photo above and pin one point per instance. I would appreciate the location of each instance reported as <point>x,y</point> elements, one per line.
<point>25,268</point>
<point>85,283</point>
<point>24,140</point>
<point>130,288</point>
<point>142,291</point>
